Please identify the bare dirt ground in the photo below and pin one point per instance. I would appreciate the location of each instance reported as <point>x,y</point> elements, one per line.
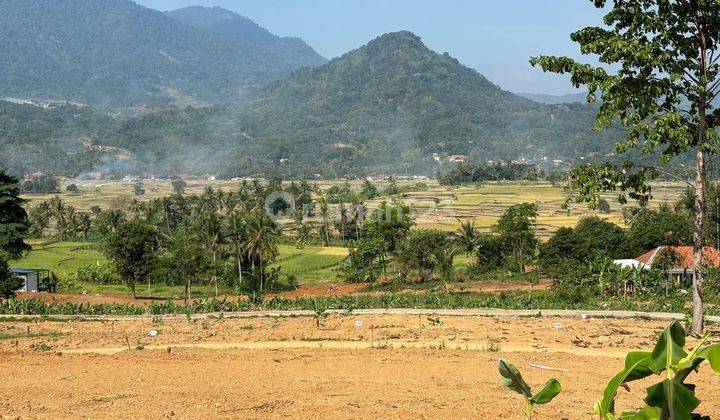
<point>353,366</point>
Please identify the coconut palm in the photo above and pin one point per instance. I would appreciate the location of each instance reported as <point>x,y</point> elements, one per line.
<point>261,241</point>
<point>467,236</point>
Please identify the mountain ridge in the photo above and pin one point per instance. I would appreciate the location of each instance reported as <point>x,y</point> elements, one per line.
<point>116,53</point>
<point>228,23</point>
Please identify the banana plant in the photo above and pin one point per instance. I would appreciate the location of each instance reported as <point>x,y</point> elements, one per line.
<point>512,379</point>
<point>671,398</point>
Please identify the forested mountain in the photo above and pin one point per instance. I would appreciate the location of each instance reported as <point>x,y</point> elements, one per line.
<point>228,23</point>
<point>392,105</point>
<point>113,53</point>
<point>57,140</point>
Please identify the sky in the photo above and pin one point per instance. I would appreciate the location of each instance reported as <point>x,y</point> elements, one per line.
<point>494,37</point>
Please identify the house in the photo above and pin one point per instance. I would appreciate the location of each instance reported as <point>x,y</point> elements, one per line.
<point>32,278</point>
<point>456,158</point>
<point>683,256</point>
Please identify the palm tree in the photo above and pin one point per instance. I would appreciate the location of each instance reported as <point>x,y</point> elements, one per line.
<point>84,224</point>
<point>209,231</point>
<point>262,241</point>
<point>467,236</point>
<point>136,208</point>
<point>325,214</point>
<point>237,234</point>
<point>445,258</point>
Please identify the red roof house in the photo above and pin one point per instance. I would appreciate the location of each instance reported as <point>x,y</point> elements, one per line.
<point>685,260</point>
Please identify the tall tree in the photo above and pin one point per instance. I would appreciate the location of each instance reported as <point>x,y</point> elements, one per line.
<point>666,56</point>
<point>133,247</point>
<point>14,223</point>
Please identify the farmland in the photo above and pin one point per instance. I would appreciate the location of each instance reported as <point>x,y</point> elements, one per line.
<point>433,207</point>
<point>437,207</point>
<point>352,366</point>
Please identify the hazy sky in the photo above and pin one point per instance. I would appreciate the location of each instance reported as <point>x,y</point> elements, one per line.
<point>494,37</point>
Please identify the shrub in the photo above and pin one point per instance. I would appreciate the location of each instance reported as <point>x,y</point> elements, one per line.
<point>97,273</point>
<point>490,252</point>
<point>603,206</point>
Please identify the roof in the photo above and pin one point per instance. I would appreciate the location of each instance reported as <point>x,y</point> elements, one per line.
<point>630,263</point>
<point>711,256</point>
<point>24,270</point>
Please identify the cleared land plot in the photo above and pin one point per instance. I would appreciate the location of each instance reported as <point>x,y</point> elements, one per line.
<point>286,367</point>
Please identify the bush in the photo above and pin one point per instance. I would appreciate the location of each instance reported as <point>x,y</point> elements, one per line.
<point>420,251</point>
<point>599,239</point>
<point>490,252</point>
<point>97,274</point>
<point>603,206</point>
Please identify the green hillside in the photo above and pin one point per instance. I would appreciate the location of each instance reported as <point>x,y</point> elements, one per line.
<point>114,53</point>
<point>392,105</point>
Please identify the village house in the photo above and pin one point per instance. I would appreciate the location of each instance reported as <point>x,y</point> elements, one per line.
<point>681,270</point>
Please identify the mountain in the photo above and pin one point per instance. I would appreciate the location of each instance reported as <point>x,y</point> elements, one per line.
<point>556,99</point>
<point>231,24</point>
<point>393,103</point>
<point>114,53</point>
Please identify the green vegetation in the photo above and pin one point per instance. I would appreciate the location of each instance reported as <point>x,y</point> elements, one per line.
<point>659,79</point>
<point>513,380</point>
<point>64,50</point>
<point>133,248</point>
<point>570,297</point>
<point>672,397</point>
<point>8,282</point>
<point>385,107</point>
<point>14,222</point>
<point>466,173</point>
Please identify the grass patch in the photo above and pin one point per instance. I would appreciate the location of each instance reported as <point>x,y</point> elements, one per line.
<point>15,336</point>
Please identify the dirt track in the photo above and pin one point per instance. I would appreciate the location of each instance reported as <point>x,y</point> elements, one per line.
<point>391,366</point>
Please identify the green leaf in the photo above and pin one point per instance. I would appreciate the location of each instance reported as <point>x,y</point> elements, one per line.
<point>676,399</point>
<point>712,355</point>
<point>513,379</point>
<point>636,367</point>
<point>669,348</point>
<point>647,413</point>
<point>550,390</point>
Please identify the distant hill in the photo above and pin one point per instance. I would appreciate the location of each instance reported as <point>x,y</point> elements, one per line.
<point>392,103</point>
<point>556,99</point>
<point>225,22</point>
<point>114,53</point>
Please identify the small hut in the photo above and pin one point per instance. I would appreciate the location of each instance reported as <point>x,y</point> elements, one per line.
<point>32,278</point>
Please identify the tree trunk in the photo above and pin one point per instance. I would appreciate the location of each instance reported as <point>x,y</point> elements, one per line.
<point>214,262</point>
<point>262,272</point>
<point>698,309</point>
<point>239,262</point>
